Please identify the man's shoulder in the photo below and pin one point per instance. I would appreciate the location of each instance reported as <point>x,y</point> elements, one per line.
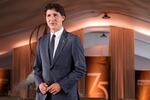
<point>43,37</point>
<point>71,35</point>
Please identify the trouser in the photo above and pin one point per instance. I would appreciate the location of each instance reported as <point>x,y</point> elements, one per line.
<point>48,96</point>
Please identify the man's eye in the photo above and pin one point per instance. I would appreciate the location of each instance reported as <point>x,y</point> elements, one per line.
<point>55,15</point>
<point>48,15</point>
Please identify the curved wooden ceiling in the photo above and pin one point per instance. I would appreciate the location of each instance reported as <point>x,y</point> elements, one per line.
<point>16,14</point>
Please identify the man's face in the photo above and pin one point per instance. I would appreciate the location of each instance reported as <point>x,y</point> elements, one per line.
<point>54,20</point>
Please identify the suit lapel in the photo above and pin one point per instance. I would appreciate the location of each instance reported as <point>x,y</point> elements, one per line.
<point>62,42</point>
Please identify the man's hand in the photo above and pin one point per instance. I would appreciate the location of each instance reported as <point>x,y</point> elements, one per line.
<point>54,88</point>
<point>43,88</point>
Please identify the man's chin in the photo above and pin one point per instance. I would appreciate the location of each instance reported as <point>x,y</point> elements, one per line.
<point>52,27</point>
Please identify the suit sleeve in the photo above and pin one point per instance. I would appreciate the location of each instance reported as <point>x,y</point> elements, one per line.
<point>37,67</point>
<point>79,69</point>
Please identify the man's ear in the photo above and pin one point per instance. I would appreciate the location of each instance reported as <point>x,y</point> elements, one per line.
<point>63,18</point>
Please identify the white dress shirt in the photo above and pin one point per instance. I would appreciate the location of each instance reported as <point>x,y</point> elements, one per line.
<point>57,38</point>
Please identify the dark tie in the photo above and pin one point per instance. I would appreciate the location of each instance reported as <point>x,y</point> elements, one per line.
<point>52,45</point>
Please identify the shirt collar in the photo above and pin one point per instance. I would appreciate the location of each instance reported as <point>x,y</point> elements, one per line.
<point>58,33</point>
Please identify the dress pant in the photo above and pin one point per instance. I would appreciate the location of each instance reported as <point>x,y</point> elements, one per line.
<point>48,96</point>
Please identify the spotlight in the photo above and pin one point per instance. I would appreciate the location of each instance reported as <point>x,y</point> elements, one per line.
<point>105,16</point>
<point>103,35</point>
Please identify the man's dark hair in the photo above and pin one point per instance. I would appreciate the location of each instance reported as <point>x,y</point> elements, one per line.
<point>56,7</point>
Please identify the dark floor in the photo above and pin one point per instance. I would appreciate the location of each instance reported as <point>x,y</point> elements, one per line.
<point>18,98</point>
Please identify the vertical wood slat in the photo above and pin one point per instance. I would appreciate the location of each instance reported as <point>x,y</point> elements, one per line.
<point>122,63</point>
<point>21,68</point>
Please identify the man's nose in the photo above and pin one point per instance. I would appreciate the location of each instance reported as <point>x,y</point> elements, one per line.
<point>52,17</point>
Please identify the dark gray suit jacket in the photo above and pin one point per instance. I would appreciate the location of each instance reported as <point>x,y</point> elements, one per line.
<point>67,67</point>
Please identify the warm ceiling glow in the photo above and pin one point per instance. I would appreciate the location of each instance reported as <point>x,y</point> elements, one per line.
<point>96,23</point>
<point>115,20</point>
<point>88,22</point>
<point>3,52</point>
<point>18,44</point>
<point>21,43</point>
<point>142,30</point>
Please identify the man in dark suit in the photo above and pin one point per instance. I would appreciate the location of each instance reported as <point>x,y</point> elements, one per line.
<point>60,60</point>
